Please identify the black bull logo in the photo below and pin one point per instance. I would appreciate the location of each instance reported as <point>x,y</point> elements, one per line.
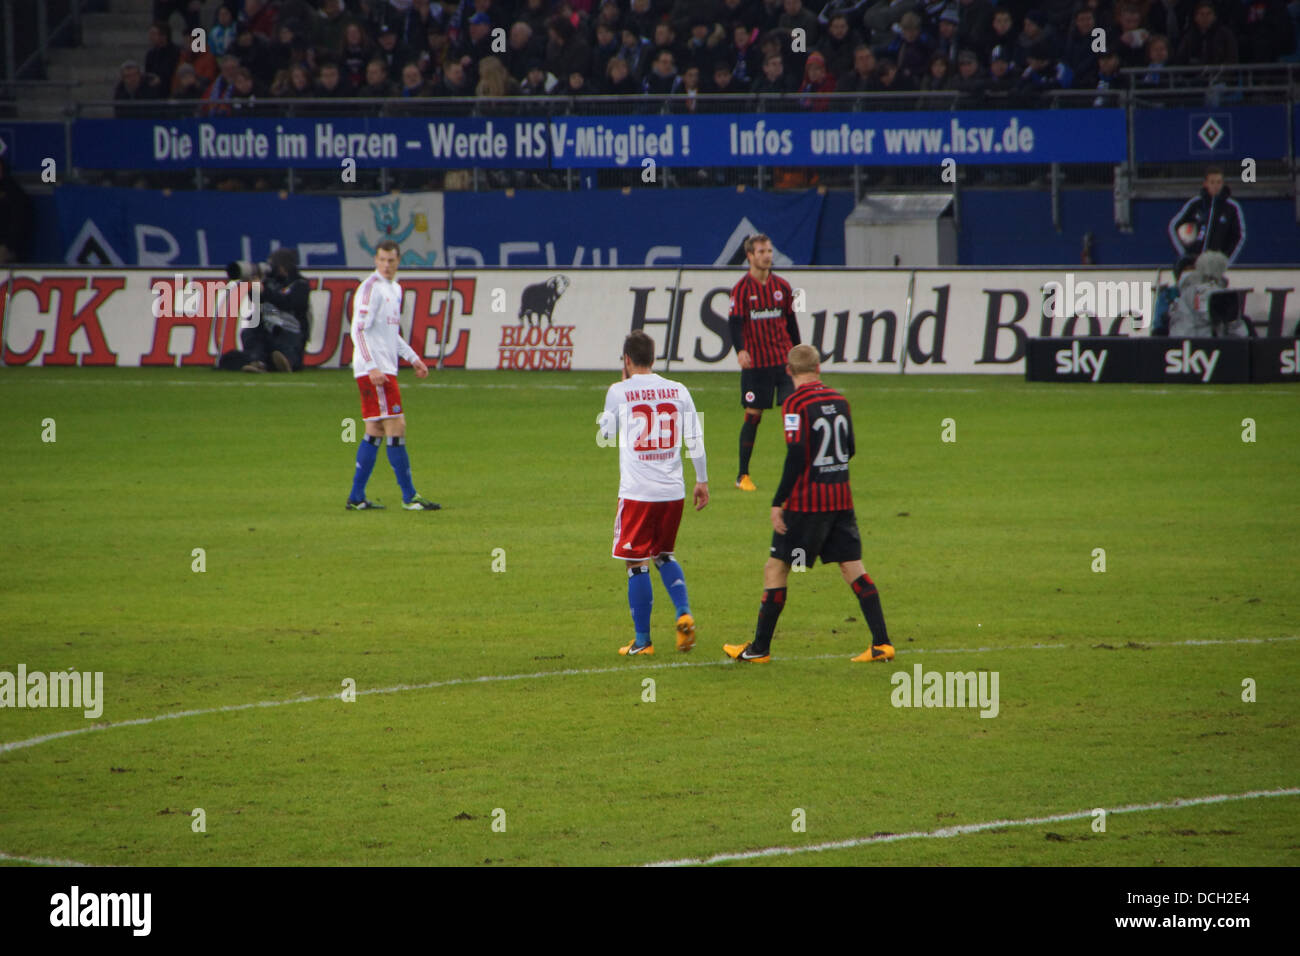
<point>538,300</point>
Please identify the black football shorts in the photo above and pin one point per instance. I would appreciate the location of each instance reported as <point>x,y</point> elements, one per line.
<point>758,384</point>
<point>809,535</point>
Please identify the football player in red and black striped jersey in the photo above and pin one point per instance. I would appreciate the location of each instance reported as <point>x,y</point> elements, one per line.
<point>812,510</point>
<point>763,330</point>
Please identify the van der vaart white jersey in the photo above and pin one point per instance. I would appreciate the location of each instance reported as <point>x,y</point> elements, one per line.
<point>376,327</point>
<point>651,417</point>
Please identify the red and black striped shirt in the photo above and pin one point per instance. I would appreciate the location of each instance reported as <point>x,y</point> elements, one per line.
<point>763,315</point>
<point>819,443</point>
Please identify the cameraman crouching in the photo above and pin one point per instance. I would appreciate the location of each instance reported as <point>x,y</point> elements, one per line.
<point>1205,306</point>
<point>280,338</point>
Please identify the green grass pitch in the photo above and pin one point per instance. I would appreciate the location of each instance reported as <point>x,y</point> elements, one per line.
<point>508,729</point>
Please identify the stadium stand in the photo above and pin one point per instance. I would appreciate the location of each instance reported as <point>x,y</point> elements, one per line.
<point>269,38</point>
<point>543,58</point>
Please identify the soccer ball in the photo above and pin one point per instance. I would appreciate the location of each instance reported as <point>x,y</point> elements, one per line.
<point>1187,233</point>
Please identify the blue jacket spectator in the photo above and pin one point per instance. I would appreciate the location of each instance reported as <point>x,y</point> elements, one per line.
<point>1037,32</point>
<point>1079,55</point>
<point>221,35</point>
<point>1044,72</point>
<point>1156,77</point>
<point>911,49</point>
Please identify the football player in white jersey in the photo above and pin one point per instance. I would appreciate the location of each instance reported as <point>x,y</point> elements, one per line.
<point>650,417</point>
<point>376,344</point>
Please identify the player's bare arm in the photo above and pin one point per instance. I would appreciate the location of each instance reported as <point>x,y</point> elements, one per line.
<point>743,358</point>
<point>778,519</point>
<point>701,495</point>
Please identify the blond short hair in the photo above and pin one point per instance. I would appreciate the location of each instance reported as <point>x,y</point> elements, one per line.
<point>803,359</point>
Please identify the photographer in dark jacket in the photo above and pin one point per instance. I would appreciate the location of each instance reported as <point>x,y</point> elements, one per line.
<point>16,218</point>
<point>280,339</point>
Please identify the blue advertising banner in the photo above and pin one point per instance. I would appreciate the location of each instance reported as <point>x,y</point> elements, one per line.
<point>580,142</point>
<point>1197,133</point>
<point>141,227</point>
<point>27,146</point>
<point>642,227</point>
<point>103,226</point>
<point>1007,228</point>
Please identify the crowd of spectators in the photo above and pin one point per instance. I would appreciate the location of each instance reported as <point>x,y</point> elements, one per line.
<point>421,49</point>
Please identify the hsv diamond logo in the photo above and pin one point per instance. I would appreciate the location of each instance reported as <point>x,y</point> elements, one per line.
<point>1210,133</point>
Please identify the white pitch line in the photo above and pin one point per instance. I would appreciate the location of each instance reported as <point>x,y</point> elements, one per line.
<point>946,832</point>
<point>771,851</point>
<point>886,383</point>
<point>261,382</point>
<point>40,860</point>
<point>257,381</point>
<point>940,834</point>
<point>397,689</point>
<point>249,382</point>
<point>1204,391</point>
<point>579,672</point>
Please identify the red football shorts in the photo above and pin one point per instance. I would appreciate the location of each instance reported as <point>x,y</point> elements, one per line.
<point>643,529</point>
<point>376,402</point>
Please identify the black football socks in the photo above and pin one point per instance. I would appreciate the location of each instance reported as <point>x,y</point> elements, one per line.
<point>869,601</point>
<point>748,433</point>
<point>768,611</point>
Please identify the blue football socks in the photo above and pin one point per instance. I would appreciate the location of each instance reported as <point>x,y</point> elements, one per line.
<point>401,463</point>
<point>640,598</point>
<point>670,572</point>
<point>367,452</point>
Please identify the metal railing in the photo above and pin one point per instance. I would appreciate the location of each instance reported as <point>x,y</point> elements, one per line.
<point>1212,78</point>
<point>1211,87</point>
<point>591,105</point>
